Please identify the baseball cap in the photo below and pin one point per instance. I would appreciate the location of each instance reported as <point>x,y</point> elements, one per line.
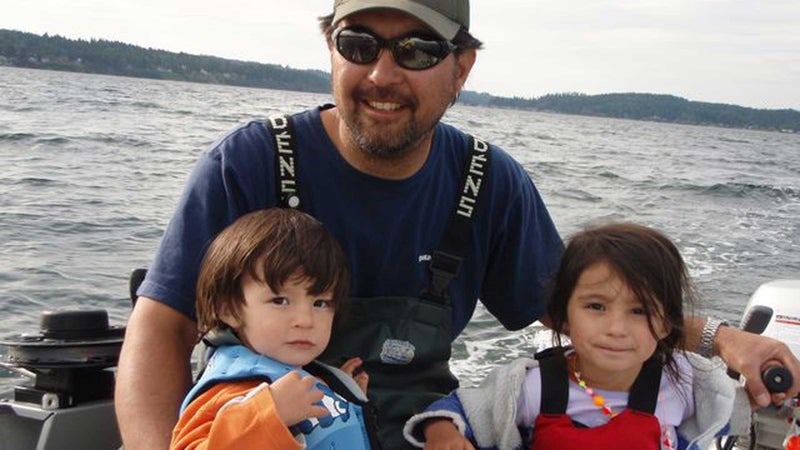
<point>445,17</point>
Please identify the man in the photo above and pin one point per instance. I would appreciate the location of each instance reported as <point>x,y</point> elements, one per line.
<point>429,218</point>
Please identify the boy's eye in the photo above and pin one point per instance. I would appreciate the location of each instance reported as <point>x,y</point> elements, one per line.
<point>639,311</point>
<point>323,303</point>
<point>279,301</point>
<point>595,306</point>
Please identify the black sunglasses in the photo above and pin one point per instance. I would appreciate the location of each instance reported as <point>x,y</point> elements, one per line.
<point>360,46</point>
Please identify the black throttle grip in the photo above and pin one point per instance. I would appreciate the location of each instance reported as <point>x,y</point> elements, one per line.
<point>777,379</point>
<point>755,322</point>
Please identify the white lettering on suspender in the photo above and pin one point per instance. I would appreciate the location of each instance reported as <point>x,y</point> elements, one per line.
<point>285,153</point>
<point>475,174</point>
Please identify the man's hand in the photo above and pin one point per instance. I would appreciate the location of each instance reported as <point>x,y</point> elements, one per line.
<point>442,434</point>
<point>295,398</point>
<point>351,367</point>
<point>749,354</point>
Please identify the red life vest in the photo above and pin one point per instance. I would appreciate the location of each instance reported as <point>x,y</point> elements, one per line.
<point>635,428</point>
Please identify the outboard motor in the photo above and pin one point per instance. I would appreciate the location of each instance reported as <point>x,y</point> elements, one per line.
<point>70,403</point>
<point>774,308</point>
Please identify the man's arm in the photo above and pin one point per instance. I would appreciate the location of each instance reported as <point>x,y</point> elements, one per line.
<point>749,354</point>
<point>154,374</point>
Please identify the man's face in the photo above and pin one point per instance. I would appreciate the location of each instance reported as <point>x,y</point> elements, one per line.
<point>390,111</point>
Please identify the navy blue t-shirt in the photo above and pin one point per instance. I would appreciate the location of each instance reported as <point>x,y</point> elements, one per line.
<point>388,228</point>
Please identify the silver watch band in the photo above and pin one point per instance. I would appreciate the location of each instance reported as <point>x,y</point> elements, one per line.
<point>710,329</point>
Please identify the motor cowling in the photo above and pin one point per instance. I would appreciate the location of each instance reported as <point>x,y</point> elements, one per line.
<point>68,358</point>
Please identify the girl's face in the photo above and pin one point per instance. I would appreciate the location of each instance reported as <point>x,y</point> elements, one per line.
<point>609,329</point>
<point>290,326</point>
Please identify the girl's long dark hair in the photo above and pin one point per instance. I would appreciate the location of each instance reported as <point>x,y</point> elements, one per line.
<point>647,261</point>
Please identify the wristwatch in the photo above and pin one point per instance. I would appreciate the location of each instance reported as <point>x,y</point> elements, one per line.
<point>707,336</point>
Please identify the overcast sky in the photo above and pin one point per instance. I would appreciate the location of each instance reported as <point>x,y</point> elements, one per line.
<point>744,52</point>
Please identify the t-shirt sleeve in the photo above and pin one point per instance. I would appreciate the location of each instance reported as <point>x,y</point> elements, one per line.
<point>525,249</point>
<point>224,184</point>
<point>236,416</point>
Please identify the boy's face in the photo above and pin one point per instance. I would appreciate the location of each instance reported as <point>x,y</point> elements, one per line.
<point>289,326</point>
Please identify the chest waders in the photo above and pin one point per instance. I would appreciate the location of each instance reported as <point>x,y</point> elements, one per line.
<point>404,342</point>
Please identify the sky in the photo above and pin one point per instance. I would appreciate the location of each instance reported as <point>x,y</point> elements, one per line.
<point>743,52</point>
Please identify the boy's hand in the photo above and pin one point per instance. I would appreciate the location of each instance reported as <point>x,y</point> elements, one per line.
<point>295,398</point>
<point>351,367</point>
<point>442,434</point>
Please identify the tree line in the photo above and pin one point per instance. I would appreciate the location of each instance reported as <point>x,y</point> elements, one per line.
<point>116,58</point>
<point>55,52</point>
<point>653,107</point>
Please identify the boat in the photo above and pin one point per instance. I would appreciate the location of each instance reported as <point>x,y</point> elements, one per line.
<point>67,402</point>
<point>774,311</point>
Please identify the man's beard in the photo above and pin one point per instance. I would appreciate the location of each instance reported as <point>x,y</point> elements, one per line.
<point>373,143</point>
<point>378,141</point>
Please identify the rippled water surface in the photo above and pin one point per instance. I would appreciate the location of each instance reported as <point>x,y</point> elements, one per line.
<point>92,167</point>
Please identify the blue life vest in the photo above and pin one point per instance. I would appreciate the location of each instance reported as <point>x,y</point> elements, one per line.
<point>344,428</point>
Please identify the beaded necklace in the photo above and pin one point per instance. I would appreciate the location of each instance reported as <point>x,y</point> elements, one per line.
<point>599,401</point>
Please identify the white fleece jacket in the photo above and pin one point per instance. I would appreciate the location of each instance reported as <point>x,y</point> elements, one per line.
<point>491,408</point>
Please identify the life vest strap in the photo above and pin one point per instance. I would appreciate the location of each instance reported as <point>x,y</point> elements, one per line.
<point>643,396</point>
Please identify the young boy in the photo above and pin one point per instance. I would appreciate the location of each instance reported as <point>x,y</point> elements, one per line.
<point>269,288</point>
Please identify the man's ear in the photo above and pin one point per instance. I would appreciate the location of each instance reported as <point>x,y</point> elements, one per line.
<point>464,63</point>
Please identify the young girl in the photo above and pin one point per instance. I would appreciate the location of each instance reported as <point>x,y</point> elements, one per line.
<point>269,288</point>
<point>624,383</point>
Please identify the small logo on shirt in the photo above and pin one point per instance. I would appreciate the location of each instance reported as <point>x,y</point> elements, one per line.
<point>423,258</point>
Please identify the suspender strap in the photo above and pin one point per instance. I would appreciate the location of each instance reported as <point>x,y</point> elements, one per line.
<point>555,382</point>
<point>446,261</point>
<point>644,392</point>
<point>282,129</point>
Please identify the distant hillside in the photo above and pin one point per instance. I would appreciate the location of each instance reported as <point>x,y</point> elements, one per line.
<point>115,58</point>
<point>652,107</point>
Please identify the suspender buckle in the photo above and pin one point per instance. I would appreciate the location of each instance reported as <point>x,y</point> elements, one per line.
<point>444,268</point>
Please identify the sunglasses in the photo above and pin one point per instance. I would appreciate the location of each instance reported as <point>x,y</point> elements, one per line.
<point>413,53</point>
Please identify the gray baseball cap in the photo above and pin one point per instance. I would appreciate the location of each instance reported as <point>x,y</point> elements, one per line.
<point>445,17</point>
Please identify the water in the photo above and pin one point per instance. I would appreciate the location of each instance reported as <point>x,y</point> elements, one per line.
<point>93,165</point>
